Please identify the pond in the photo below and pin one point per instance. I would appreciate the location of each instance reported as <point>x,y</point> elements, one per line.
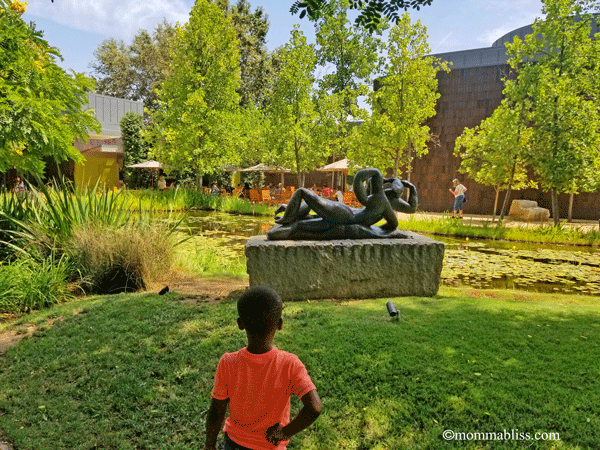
<point>476,263</point>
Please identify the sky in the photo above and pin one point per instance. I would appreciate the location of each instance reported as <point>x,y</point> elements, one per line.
<point>78,27</point>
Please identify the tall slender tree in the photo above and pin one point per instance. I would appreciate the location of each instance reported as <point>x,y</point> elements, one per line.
<point>293,122</point>
<point>559,90</point>
<point>492,153</point>
<point>396,131</point>
<point>197,122</point>
<point>351,58</point>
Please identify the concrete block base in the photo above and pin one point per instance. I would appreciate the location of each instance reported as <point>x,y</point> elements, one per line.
<point>528,210</point>
<point>366,268</point>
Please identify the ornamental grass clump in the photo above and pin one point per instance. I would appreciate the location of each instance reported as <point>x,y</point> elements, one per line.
<point>125,259</point>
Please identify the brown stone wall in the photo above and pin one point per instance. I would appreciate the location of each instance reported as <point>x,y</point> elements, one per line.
<point>469,96</point>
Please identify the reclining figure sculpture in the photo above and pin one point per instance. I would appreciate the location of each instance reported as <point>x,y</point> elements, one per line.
<point>335,220</point>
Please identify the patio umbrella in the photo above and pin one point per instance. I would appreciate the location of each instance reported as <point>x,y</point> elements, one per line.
<point>264,168</point>
<point>152,165</point>
<point>337,166</point>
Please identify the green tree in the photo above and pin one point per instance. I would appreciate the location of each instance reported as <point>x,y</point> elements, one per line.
<point>40,104</point>
<point>293,122</point>
<point>559,90</point>
<point>135,150</point>
<point>134,71</point>
<point>255,62</point>
<point>492,153</point>
<point>395,131</point>
<point>372,11</point>
<point>350,56</point>
<point>197,124</point>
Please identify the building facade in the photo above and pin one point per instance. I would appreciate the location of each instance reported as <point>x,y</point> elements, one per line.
<point>469,93</point>
<point>103,152</point>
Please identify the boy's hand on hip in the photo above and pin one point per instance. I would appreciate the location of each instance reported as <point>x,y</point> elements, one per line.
<point>275,434</point>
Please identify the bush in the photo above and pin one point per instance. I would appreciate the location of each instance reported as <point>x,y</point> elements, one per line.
<point>125,259</point>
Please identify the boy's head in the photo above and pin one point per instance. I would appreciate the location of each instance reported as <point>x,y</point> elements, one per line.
<point>259,310</point>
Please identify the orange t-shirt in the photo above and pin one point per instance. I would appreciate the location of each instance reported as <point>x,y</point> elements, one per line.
<point>259,388</point>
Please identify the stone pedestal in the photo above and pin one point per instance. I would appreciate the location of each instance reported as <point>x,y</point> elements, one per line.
<point>365,268</point>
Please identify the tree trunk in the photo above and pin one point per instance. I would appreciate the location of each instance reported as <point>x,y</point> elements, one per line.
<point>396,162</point>
<point>507,197</point>
<point>570,215</point>
<point>409,165</point>
<point>505,203</point>
<point>198,181</point>
<point>555,212</point>
<point>497,188</point>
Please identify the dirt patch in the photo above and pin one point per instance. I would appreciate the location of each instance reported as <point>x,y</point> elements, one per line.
<point>199,290</point>
<point>11,338</point>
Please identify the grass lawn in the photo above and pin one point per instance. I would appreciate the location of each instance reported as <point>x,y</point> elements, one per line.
<point>136,371</point>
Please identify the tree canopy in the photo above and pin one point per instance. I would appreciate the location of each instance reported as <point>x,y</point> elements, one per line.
<point>351,58</point>
<point>549,120</point>
<point>373,12</point>
<point>134,71</point>
<point>40,104</point>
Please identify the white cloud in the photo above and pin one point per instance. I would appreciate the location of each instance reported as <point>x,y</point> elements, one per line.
<point>508,16</point>
<point>120,19</point>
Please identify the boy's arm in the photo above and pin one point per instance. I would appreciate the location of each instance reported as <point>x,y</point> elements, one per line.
<point>307,415</point>
<point>214,422</point>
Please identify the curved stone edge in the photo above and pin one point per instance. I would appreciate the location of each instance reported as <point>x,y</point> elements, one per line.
<point>366,268</point>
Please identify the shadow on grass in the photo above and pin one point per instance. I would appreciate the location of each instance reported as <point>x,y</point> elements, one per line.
<point>137,371</point>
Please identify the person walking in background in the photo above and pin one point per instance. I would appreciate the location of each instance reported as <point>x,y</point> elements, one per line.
<point>459,197</point>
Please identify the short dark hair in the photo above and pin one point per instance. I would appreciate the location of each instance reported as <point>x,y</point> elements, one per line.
<point>260,309</point>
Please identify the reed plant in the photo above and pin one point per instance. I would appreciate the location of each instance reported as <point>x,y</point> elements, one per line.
<point>46,219</point>
<point>113,248</point>
<point>27,284</point>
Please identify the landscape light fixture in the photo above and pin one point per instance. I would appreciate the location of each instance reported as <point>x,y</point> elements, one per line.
<point>392,310</point>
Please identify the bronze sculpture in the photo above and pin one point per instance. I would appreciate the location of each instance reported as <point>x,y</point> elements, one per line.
<point>335,220</point>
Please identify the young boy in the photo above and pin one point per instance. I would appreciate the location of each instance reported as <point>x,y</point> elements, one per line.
<point>257,381</point>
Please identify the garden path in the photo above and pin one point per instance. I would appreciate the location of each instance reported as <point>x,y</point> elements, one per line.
<point>480,219</point>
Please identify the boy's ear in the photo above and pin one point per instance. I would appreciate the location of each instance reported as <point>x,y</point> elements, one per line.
<point>280,324</point>
<point>240,323</point>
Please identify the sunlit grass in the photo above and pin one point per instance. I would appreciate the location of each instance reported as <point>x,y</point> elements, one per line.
<point>545,233</point>
<point>129,371</point>
<point>187,199</point>
<point>204,256</point>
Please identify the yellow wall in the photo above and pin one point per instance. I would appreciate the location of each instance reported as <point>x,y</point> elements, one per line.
<point>236,179</point>
<point>104,171</point>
